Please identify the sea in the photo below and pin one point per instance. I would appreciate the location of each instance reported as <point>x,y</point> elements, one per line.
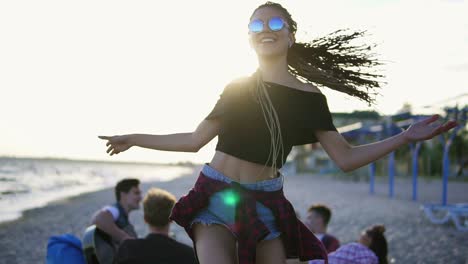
<point>27,183</point>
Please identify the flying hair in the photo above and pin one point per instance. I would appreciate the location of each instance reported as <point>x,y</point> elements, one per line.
<point>330,61</point>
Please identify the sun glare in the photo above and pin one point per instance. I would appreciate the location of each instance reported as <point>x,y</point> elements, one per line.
<point>73,71</point>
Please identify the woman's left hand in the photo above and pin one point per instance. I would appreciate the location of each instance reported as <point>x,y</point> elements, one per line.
<point>426,129</point>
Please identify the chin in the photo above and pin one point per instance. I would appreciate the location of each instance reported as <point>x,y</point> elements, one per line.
<point>270,54</point>
<point>270,49</point>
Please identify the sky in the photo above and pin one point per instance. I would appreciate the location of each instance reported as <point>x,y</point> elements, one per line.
<point>73,70</point>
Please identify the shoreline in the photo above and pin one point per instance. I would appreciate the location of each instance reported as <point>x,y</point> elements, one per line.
<point>84,195</point>
<point>24,240</point>
<point>380,189</point>
<point>411,237</point>
<point>31,184</point>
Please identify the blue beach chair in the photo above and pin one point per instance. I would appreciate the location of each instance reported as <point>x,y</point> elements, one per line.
<point>441,214</point>
<point>444,212</point>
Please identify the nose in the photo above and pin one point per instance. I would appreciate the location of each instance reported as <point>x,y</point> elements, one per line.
<point>265,29</point>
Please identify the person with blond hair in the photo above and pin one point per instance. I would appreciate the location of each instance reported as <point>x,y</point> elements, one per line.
<point>157,246</point>
<point>114,219</point>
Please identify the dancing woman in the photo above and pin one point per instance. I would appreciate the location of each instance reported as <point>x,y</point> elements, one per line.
<point>237,212</point>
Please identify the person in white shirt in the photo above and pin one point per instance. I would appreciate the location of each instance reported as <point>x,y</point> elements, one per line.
<point>113,219</point>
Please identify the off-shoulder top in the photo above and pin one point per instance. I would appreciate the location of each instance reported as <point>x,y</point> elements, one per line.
<point>244,133</point>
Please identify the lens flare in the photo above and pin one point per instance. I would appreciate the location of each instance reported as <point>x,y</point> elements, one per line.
<point>230,198</point>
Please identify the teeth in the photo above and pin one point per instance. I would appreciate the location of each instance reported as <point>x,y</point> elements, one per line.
<point>267,40</point>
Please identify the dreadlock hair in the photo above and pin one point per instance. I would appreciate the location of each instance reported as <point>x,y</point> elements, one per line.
<point>330,61</point>
<point>271,120</point>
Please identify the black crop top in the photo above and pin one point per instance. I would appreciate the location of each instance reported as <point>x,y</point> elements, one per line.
<point>244,133</point>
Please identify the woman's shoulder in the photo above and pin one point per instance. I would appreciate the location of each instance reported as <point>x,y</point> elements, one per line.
<point>298,86</point>
<point>306,87</point>
<point>240,82</point>
<point>239,86</point>
<point>247,81</point>
<point>353,249</point>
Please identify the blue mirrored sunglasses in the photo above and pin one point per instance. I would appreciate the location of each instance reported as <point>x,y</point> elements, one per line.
<point>274,23</point>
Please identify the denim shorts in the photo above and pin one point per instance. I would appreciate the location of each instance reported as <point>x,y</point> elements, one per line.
<point>220,212</point>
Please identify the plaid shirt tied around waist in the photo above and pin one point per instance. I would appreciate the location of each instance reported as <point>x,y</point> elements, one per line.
<point>298,241</point>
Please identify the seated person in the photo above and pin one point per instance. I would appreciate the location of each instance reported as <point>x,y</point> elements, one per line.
<point>371,248</point>
<point>157,247</point>
<point>318,217</point>
<point>113,219</point>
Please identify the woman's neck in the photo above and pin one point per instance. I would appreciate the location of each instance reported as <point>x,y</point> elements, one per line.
<point>274,69</point>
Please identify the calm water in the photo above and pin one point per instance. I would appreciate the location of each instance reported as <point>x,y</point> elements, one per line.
<point>30,183</point>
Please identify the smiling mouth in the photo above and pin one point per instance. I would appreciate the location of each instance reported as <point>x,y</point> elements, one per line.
<point>267,40</point>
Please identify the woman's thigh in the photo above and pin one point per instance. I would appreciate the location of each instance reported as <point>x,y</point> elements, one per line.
<point>214,244</point>
<point>271,252</point>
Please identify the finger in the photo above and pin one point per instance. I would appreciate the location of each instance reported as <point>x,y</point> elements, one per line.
<point>437,131</point>
<point>108,143</point>
<point>104,137</point>
<point>449,125</point>
<point>433,125</point>
<point>431,119</point>
<point>110,149</point>
<point>444,127</point>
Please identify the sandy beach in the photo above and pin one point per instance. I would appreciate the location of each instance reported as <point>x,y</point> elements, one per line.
<point>412,238</point>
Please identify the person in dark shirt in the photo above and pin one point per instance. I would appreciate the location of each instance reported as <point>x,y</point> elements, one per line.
<point>257,121</point>
<point>318,217</point>
<point>157,247</point>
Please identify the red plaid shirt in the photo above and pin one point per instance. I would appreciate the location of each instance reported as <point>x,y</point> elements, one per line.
<point>298,241</point>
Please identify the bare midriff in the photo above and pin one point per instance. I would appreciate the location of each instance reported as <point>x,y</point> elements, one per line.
<point>241,171</point>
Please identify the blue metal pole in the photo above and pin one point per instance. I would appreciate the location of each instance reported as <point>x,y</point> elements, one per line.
<point>445,172</point>
<point>372,177</point>
<point>446,158</point>
<point>415,154</point>
<point>391,173</point>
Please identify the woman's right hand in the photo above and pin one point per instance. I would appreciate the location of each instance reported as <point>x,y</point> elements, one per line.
<point>117,144</point>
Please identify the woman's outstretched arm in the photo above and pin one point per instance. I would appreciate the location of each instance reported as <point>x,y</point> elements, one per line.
<point>182,142</point>
<point>349,157</point>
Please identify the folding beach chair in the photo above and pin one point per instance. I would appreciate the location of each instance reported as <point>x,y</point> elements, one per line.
<point>441,214</point>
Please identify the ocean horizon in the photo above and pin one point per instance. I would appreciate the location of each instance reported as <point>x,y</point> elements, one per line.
<point>27,183</point>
